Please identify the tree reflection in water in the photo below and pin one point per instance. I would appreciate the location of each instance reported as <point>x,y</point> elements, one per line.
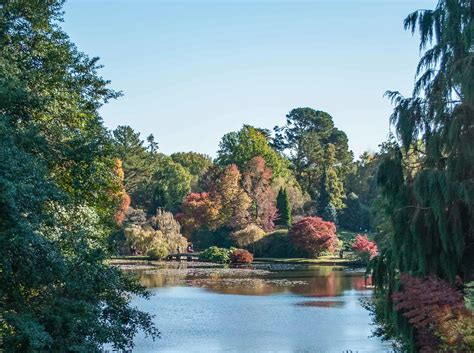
<point>262,279</point>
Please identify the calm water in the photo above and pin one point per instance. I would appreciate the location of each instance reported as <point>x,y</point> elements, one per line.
<point>268,308</point>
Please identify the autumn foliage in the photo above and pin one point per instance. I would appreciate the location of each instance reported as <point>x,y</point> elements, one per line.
<point>241,256</point>
<point>198,209</point>
<point>314,235</point>
<point>121,195</point>
<point>256,182</point>
<point>363,248</point>
<point>437,311</point>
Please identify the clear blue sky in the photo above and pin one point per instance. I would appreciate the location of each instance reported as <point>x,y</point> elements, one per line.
<point>192,71</point>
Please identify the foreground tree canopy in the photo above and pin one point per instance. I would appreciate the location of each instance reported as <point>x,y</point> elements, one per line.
<point>58,194</point>
<point>426,181</point>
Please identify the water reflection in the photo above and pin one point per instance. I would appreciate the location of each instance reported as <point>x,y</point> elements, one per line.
<point>266,308</point>
<point>262,279</point>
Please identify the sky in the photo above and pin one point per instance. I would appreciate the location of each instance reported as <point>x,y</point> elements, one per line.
<point>191,71</point>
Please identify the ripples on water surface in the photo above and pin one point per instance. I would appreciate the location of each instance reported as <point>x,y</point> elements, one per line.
<point>267,308</point>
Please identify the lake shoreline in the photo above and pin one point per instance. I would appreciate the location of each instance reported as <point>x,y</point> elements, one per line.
<point>322,261</point>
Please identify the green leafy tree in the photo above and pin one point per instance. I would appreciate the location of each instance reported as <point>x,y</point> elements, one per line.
<point>304,137</point>
<point>138,164</point>
<point>195,163</point>
<point>331,188</point>
<point>57,187</point>
<point>167,187</point>
<point>429,206</point>
<point>284,208</point>
<point>355,216</point>
<point>249,142</point>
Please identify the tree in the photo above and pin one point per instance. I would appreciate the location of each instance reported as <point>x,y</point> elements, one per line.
<point>355,216</point>
<point>57,194</point>
<point>313,235</point>
<point>304,137</point>
<point>284,208</point>
<point>152,144</point>
<point>429,206</point>
<point>122,196</point>
<point>256,183</point>
<point>136,161</point>
<point>195,163</point>
<point>363,248</point>
<point>222,209</point>
<point>331,190</point>
<point>240,147</point>
<point>297,198</point>
<point>329,213</point>
<point>157,237</point>
<point>168,186</point>
<point>198,210</point>
<point>234,201</point>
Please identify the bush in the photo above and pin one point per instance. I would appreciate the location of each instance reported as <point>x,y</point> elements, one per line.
<point>437,311</point>
<point>215,254</point>
<point>363,248</point>
<point>277,244</point>
<point>241,256</point>
<point>313,235</point>
<point>157,252</point>
<point>249,235</point>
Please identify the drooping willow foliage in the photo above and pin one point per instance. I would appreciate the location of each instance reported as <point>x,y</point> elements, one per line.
<point>430,204</point>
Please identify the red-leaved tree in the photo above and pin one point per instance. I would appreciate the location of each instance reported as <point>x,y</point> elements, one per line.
<point>363,248</point>
<point>313,235</point>
<point>437,311</point>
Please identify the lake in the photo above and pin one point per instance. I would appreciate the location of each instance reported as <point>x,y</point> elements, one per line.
<point>265,308</point>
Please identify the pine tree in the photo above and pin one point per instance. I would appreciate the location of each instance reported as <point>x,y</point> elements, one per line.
<point>284,208</point>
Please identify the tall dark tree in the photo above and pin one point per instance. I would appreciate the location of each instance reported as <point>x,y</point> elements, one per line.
<point>284,208</point>
<point>138,163</point>
<point>304,137</point>
<point>430,207</point>
<point>331,188</point>
<point>57,187</point>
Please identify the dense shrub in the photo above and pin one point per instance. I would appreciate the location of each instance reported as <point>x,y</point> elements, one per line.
<point>276,244</point>
<point>363,248</point>
<point>241,256</point>
<point>437,311</point>
<point>249,235</point>
<point>355,216</point>
<point>215,254</point>
<point>313,235</point>
<point>204,238</point>
<point>158,251</point>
